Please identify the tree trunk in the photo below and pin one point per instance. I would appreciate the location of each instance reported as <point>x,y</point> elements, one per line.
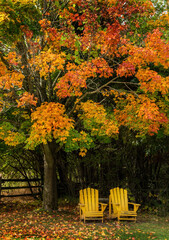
<point>50,201</point>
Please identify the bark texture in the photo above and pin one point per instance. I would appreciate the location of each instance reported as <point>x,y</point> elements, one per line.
<point>50,201</point>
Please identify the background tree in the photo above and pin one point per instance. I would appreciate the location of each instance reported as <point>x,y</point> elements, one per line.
<point>70,77</point>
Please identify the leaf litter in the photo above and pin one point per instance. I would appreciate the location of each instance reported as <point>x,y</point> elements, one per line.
<point>26,220</point>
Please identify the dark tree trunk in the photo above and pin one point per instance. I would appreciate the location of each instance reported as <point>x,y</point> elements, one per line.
<point>50,201</point>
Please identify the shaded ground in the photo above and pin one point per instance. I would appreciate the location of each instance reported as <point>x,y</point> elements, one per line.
<point>26,220</point>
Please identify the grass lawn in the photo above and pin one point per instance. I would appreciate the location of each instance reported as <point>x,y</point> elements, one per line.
<point>26,220</point>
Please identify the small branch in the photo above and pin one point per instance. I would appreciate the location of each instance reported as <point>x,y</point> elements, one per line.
<point>103,86</point>
<point>131,90</point>
<point>55,81</point>
<point>90,93</point>
<point>98,89</point>
<point>3,111</point>
<point>131,83</point>
<point>67,101</point>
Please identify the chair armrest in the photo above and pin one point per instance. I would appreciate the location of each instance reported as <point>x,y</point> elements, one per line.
<point>136,206</point>
<point>103,206</point>
<point>134,203</point>
<point>81,204</point>
<point>82,208</point>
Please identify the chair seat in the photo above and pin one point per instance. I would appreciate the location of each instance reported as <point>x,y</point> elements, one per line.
<point>128,213</point>
<point>94,213</point>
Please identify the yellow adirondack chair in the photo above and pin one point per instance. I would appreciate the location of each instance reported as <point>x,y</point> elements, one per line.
<point>119,205</point>
<point>89,205</point>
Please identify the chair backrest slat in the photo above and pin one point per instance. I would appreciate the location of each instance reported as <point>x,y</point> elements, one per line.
<point>125,200</point>
<point>89,198</point>
<point>86,199</point>
<point>96,195</point>
<point>81,197</point>
<point>122,199</point>
<point>93,199</point>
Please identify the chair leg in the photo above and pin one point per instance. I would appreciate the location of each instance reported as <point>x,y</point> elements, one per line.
<point>109,210</point>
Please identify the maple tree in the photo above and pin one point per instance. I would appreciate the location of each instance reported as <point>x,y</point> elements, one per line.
<point>63,65</point>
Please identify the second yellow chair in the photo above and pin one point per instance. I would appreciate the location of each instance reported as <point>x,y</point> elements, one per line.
<point>119,205</point>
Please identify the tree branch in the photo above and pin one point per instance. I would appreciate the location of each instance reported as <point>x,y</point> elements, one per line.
<point>103,86</point>
<point>55,81</point>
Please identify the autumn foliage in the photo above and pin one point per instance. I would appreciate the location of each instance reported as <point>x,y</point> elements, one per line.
<point>87,53</point>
